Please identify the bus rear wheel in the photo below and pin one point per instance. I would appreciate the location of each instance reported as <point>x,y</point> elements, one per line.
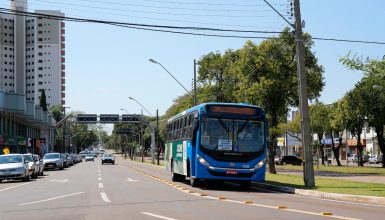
<point>174,176</point>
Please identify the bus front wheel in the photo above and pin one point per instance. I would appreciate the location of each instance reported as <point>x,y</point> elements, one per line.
<point>245,184</point>
<point>194,181</point>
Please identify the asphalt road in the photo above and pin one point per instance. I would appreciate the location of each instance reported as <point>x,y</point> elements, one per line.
<point>131,190</point>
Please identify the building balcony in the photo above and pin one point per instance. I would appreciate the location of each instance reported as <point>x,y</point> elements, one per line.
<point>63,60</point>
<point>63,81</point>
<point>63,67</point>
<point>63,88</point>
<point>63,46</point>
<point>63,102</point>
<point>63,39</point>
<point>63,53</point>
<point>63,95</point>
<point>63,24</point>
<point>63,74</point>
<point>62,31</point>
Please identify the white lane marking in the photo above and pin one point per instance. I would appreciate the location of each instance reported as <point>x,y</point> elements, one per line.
<point>5,189</point>
<point>131,180</point>
<point>99,174</point>
<point>61,181</point>
<point>50,199</point>
<point>104,197</point>
<point>99,178</point>
<point>158,216</point>
<point>100,185</point>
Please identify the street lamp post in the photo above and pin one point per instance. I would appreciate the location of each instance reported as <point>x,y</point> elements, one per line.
<point>64,130</point>
<point>154,135</point>
<point>192,96</point>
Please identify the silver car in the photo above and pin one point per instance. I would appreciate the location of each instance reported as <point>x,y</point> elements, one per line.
<point>53,161</point>
<point>32,165</point>
<point>13,166</point>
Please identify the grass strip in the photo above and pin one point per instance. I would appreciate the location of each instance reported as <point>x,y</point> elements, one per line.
<point>331,185</point>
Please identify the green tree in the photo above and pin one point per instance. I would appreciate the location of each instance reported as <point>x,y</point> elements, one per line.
<point>267,76</point>
<point>338,124</point>
<point>56,112</point>
<point>320,124</point>
<point>372,93</point>
<point>355,116</point>
<point>43,100</point>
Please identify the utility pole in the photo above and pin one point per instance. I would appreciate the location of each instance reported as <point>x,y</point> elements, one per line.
<point>303,101</point>
<point>157,136</point>
<point>141,137</point>
<point>195,84</point>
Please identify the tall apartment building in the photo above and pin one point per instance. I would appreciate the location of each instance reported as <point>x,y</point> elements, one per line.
<point>32,55</point>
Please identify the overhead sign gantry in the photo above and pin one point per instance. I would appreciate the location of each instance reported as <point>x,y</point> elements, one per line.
<point>108,118</point>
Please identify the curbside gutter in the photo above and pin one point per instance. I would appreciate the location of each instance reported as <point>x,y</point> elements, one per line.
<point>324,195</point>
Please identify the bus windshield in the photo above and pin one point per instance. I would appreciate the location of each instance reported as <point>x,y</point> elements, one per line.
<point>232,135</point>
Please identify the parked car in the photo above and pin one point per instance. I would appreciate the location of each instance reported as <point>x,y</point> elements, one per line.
<point>32,165</point>
<point>13,166</point>
<point>352,158</point>
<point>90,157</point>
<point>53,161</point>
<point>289,159</point>
<point>65,160</point>
<point>108,158</point>
<point>375,159</point>
<point>39,163</point>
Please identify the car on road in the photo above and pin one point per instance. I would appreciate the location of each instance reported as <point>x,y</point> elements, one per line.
<point>90,157</point>
<point>53,161</point>
<point>39,163</point>
<point>32,165</point>
<point>13,166</point>
<point>289,159</point>
<point>108,158</point>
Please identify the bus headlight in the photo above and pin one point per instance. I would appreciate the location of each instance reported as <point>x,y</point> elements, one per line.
<point>260,164</point>
<point>203,161</point>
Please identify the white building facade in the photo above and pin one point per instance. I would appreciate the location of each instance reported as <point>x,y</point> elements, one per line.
<point>32,53</point>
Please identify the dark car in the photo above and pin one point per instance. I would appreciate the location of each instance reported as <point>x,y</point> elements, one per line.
<point>289,159</point>
<point>108,158</point>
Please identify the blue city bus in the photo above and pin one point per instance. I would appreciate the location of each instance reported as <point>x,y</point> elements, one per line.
<point>217,141</point>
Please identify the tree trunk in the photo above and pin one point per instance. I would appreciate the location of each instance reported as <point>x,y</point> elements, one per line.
<point>360,162</point>
<point>322,149</point>
<point>381,142</point>
<point>272,145</point>
<point>336,150</point>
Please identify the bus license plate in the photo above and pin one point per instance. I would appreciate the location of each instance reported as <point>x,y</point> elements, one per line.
<point>232,172</point>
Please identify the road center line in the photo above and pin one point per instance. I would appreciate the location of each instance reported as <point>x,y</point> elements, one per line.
<point>100,185</point>
<point>50,199</point>
<point>5,189</point>
<point>104,197</point>
<point>157,216</point>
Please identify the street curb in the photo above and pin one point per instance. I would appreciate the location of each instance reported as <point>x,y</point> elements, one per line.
<point>324,195</point>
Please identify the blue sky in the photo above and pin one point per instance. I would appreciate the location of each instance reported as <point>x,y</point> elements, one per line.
<point>105,64</point>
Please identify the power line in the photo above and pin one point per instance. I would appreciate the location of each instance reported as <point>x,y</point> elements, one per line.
<point>34,14</point>
<point>167,7</point>
<point>155,12</point>
<point>159,28</point>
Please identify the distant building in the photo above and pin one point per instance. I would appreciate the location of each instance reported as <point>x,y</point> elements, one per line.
<point>32,55</point>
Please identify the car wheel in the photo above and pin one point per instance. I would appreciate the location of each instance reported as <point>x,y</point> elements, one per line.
<point>113,163</point>
<point>61,168</point>
<point>1,181</point>
<point>26,178</point>
<point>102,163</point>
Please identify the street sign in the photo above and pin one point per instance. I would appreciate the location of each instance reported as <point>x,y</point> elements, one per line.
<point>87,118</point>
<point>109,118</point>
<point>130,118</point>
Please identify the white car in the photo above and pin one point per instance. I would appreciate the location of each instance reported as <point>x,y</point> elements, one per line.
<point>39,163</point>
<point>32,166</point>
<point>375,159</point>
